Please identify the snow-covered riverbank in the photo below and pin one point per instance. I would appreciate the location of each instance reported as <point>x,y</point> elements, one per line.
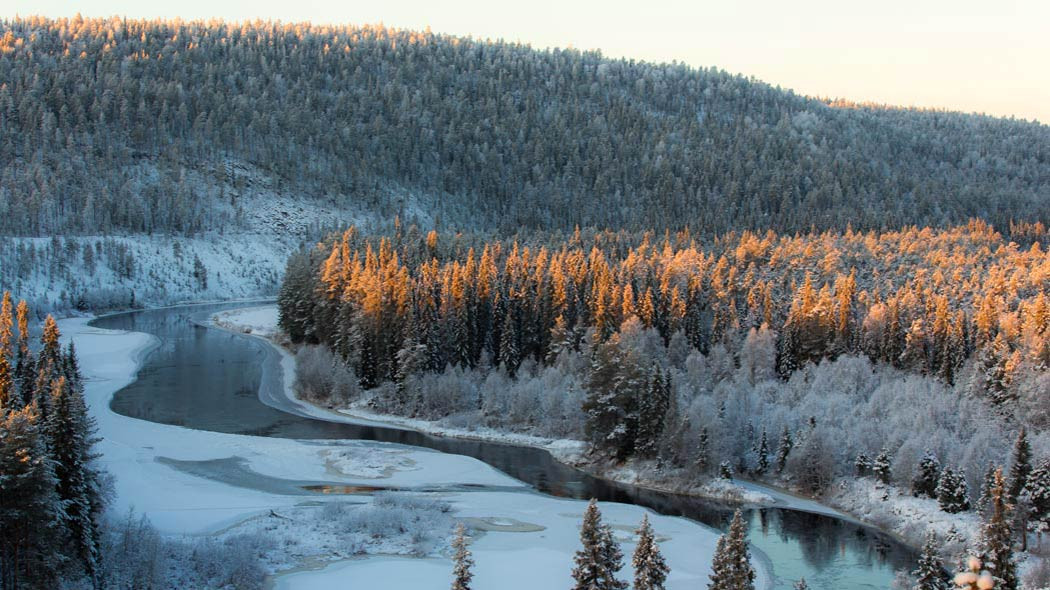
<point>190,482</point>
<point>859,502</point>
<point>262,322</point>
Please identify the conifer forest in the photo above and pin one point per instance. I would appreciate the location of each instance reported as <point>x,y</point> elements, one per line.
<point>304,306</point>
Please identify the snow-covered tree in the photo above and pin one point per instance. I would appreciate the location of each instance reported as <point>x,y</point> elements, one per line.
<point>652,417</point>
<point>71,435</point>
<point>763,455</point>
<point>30,509</point>
<point>996,540</point>
<point>862,465</point>
<point>650,568</point>
<point>993,374</point>
<point>880,467</point>
<point>731,566</point>
<point>987,483</point>
<point>812,463</point>
<point>930,573</point>
<point>1037,489</point>
<point>784,449</point>
<point>725,470</point>
<point>952,493</point>
<point>1020,466</point>
<point>597,562</point>
<point>703,458</point>
<point>614,386</point>
<point>925,482</point>
<point>462,562</point>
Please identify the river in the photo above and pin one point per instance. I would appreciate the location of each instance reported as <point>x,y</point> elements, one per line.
<point>209,379</point>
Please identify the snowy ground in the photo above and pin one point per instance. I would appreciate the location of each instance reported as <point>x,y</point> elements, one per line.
<point>897,511</point>
<point>183,481</point>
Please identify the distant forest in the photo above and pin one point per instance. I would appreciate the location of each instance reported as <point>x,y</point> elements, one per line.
<point>101,122</point>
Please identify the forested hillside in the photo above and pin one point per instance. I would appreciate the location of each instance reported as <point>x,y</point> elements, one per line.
<point>121,126</point>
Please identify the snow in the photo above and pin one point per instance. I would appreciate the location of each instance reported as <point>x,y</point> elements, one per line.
<point>261,321</point>
<point>535,552</point>
<point>537,559</point>
<point>771,496</point>
<point>897,511</point>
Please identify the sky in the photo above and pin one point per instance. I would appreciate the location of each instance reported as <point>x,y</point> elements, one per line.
<point>974,56</point>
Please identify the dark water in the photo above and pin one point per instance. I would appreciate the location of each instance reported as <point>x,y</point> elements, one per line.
<point>210,379</point>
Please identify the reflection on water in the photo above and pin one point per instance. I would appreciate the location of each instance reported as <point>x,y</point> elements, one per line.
<point>209,379</point>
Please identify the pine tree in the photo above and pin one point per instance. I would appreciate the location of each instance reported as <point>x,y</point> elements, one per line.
<point>763,454</point>
<point>992,377</point>
<point>1038,491</point>
<point>30,509</point>
<point>952,493</point>
<point>650,569</point>
<point>25,367</point>
<point>703,458</point>
<point>600,557</point>
<point>1020,466</point>
<point>613,387</point>
<point>930,573</point>
<point>731,567</point>
<point>48,367</point>
<point>71,436</point>
<point>996,544</point>
<point>653,414</point>
<point>880,467</point>
<point>862,465</point>
<point>462,560</point>
<point>784,449</point>
<point>725,470</point>
<point>987,483</point>
<point>925,483</point>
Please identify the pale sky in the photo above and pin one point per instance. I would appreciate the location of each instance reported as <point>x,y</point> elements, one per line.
<point>990,56</point>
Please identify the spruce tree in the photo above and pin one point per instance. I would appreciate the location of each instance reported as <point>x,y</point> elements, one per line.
<point>953,496</point>
<point>925,482</point>
<point>30,509</point>
<point>600,557</point>
<point>996,541</point>
<point>650,569</point>
<point>930,573</point>
<point>862,465</point>
<point>731,567</point>
<point>1020,466</point>
<point>462,560</point>
<point>763,455</point>
<point>987,483</point>
<point>71,436</point>
<point>881,466</point>
<point>703,454</point>
<point>725,471</point>
<point>653,414</point>
<point>25,367</point>
<point>1038,491</point>
<point>784,449</point>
